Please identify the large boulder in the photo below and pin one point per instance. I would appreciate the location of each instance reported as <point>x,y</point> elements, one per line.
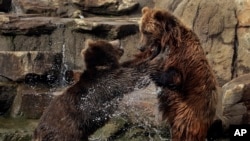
<point>235,101</point>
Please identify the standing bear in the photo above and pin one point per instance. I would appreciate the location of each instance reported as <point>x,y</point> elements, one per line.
<point>89,103</point>
<point>189,92</point>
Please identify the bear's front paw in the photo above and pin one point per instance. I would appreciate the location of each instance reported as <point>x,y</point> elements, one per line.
<point>170,79</point>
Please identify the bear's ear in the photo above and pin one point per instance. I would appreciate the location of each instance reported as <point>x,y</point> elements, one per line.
<point>116,43</point>
<point>88,43</point>
<point>158,15</point>
<point>144,10</point>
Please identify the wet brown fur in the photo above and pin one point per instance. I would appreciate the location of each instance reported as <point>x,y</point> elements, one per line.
<point>88,104</point>
<point>189,87</point>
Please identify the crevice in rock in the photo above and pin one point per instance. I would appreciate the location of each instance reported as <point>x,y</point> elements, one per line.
<point>13,43</point>
<point>196,16</point>
<point>235,52</point>
<point>174,5</point>
<point>184,6</point>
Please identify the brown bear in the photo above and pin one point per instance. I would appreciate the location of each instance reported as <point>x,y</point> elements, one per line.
<point>89,103</point>
<point>189,89</point>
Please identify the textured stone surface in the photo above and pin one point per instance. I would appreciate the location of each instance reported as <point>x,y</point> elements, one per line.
<point>108,27</point>
<point>243,10</point>
<point>235,107</point>
<point>29,24</point>
<point>30,102</point>
<point>24,33</point>
<point>16,129</point>
<point>7,95</point>
<point>243,63</point>
<point>67,8</point>
<point>23,62</point>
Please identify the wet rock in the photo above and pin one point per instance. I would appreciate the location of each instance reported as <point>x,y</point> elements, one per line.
<point>7,95</point>
<point>120,129</point>
<point>23,62</point>
<point>235,107</point>
<point>30,102</point>
<point>113,126</point>
<point>5,5</point>
<point>16,129</point>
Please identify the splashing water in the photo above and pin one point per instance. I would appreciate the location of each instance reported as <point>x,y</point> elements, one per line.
<point>64,66</point>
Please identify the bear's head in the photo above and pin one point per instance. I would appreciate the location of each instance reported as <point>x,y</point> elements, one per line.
<point>102,54</point>
<point>158,29</point>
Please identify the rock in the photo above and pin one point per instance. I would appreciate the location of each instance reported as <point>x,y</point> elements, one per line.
<point>243,48</point>
<point>121,129</point>
<point>65,8</point>
<point>235,107</point>
<point>108,27</point>
<point>110,128</point>
<point>5,5</point>
<point>33,25</point>
<point>4,18</point>
<point>37,7</point>
<point>7,95</point>
<point>6,43</point>
<point>111,7</point>
<point>31,102</point>
<point>24,62</point>
<point>243,13</point>
<point>24,33</point>
<point>16,129</point>
<point>14,25</point>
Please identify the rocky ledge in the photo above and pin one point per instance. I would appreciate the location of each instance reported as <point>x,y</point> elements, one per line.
<point>36,25</point>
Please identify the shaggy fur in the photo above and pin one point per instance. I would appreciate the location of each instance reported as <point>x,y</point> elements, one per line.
<point>88,104</point>
<point>189,88</point>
